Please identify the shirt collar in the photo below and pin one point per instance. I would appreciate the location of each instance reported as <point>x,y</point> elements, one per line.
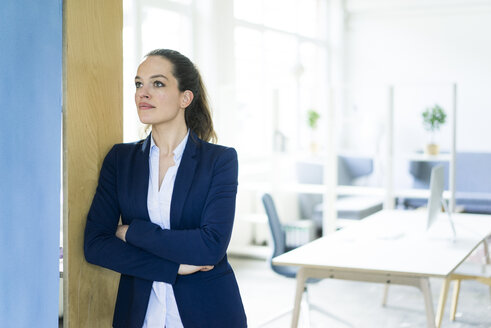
<point>178,151</point>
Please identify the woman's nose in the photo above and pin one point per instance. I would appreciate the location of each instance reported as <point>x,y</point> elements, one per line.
<point>142,92</point>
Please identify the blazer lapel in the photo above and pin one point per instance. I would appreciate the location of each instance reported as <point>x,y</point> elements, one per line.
<point>141,178</point>
<point>184,179</point>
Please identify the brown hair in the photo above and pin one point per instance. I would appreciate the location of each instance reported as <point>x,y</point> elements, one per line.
<point>197,114</point>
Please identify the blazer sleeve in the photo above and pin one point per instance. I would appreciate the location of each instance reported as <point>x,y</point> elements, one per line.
<point>207,244</point>
<point>103,248</point>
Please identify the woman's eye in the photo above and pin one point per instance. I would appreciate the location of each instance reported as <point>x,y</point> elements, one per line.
<point>158,84</point>
<point>138,85</point>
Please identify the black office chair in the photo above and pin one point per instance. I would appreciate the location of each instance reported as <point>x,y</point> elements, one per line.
<point>279,247</point>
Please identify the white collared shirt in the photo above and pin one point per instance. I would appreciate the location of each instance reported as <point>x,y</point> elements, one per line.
<point>162,307</point>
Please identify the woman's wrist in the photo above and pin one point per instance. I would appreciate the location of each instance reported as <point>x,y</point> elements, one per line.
<point>121,232</point>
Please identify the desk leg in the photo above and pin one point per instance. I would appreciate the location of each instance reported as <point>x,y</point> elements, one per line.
<point>487,259</point>
<point>441,303</point>
<point>386,294</point>
<point>424,285</point>
<point>298,296</point>
<point>455,299</point>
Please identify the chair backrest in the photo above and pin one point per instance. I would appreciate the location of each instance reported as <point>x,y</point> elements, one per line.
<point>279,238</point>
<point>277,232</point>
<point>350,168</point>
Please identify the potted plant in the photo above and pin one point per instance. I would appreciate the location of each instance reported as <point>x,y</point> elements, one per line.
<point>433,118</point>
<point>312,120</point>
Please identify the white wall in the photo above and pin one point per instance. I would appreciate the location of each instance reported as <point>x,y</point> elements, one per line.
<point>423,45</point>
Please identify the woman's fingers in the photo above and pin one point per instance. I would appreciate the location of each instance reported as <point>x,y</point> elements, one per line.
<point>185,269</point>
<point>207,268</point>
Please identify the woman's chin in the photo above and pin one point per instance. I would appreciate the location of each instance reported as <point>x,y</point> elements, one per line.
<point>145,119</point>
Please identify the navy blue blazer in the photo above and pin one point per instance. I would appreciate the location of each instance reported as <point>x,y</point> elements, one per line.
<point>201,218</point>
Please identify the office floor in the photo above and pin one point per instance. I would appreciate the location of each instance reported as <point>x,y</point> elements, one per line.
<point>353,304</point>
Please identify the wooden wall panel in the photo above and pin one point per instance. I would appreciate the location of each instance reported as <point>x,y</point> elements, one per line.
<point>92,106</point>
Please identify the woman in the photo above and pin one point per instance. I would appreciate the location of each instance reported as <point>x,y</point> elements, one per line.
<point>175,194</point>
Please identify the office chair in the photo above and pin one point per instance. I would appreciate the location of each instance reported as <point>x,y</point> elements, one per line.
<point>279,247</point>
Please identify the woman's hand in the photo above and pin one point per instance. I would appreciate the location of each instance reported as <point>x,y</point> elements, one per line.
<point>121,232</point>
<point>185,269</point>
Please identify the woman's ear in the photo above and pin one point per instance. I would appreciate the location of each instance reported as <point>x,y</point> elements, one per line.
<point>187,98</point>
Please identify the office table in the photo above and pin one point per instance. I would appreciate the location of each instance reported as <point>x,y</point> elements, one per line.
<point>391,247</point>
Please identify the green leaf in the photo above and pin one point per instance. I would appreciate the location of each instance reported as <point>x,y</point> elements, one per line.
<point>434,117</point>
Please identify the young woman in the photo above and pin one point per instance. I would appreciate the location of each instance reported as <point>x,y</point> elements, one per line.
<point>175,194</point>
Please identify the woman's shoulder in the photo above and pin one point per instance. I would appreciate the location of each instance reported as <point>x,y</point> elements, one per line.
<point>130,145</point>
<point>127,147</point>
<point>216,149</point>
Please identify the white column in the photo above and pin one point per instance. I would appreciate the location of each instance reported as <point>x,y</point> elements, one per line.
<point>453,152</point>
<point>389,161</point>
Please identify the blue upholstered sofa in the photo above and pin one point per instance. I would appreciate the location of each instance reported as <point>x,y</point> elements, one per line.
<point>472,181</point>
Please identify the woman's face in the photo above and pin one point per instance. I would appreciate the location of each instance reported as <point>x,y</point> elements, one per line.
<point>157,96</point>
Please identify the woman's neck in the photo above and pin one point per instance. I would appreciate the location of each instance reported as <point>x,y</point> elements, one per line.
<point>167,138</point>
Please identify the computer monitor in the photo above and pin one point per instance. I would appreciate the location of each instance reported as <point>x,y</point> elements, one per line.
<point>437,184</point>
<point>436,201</point>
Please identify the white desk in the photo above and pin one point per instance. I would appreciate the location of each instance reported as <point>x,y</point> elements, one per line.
<point>364,252</point>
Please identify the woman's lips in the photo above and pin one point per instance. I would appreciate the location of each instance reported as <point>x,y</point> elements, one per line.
<point>145,106</point>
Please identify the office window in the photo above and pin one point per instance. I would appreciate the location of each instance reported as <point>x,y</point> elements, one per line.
<point>281,72</point>
<point>164,28</point>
